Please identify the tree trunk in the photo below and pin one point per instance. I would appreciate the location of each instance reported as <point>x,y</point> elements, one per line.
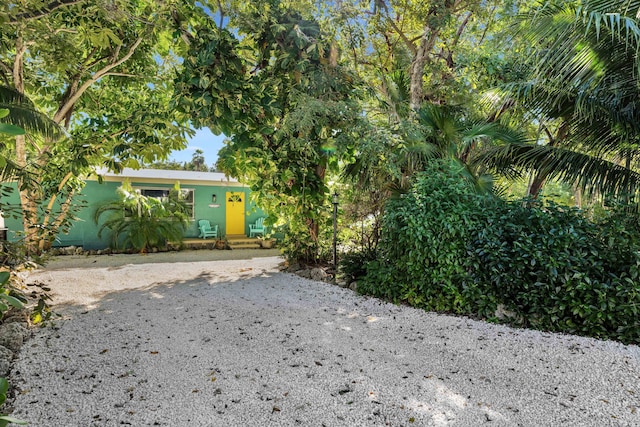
<point>26,192</point>
<point>420,59</point>
<point>577,195</point>
<point>541,175</point>
<point>536,184</point>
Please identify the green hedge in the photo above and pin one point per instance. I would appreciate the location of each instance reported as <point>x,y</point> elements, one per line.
<point>447,248</point>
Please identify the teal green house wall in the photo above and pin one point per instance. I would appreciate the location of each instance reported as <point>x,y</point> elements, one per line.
<point>84,231</point>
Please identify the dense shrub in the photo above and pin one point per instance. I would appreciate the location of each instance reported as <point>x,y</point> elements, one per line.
<point>556,270</point>
<point>447,248</point>
<point>353,264</point>
<point>423,252</point>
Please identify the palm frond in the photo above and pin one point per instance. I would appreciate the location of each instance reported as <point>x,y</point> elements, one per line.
<point>12,96</point>
<point>24,114</point>
<point>566,165</point>
<point>32,121</point>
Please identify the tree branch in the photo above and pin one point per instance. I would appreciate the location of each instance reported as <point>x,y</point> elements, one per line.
<point>66,106</point>
<point>409,43</point>
<point>120,75</point>
<point>221,13</point>
<point>35,14</point>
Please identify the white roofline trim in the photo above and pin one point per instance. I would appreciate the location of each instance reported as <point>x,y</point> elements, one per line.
<point>175,175</point>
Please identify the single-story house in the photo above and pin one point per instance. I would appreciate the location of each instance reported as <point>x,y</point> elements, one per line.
<point>210,195</point>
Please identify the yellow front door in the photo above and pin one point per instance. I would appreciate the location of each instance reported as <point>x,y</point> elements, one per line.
<point>235,213</point>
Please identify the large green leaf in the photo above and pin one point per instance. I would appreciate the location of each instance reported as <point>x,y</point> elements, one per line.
<point>11,129</point>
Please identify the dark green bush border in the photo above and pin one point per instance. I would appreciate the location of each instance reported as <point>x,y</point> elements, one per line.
<point>449,249</point>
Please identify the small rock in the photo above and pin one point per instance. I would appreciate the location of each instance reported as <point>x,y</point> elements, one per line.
<point>6,356</point>
<point>503,314</point>
<point>15,315</point>
<point>318,274</point>
<point>304,273</point>
<point>12,335</point>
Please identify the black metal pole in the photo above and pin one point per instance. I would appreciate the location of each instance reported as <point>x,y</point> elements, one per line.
<point>335,233</point>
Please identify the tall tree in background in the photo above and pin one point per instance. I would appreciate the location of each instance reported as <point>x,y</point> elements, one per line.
<point>197,162</point>
<point>420,55</point>
<point>102,70</point>
<point>445,49</point>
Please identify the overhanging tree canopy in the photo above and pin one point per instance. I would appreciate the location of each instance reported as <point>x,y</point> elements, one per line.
<point>290,109</point>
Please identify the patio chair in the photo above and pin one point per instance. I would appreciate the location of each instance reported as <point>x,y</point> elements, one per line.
<point>257,228</point>
<point>206,230</point>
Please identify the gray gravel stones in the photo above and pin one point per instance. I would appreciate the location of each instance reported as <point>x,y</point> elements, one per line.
<point>238,343</point>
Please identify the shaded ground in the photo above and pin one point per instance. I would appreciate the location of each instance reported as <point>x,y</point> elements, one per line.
<point>239,343</point>
<point>97,261</point>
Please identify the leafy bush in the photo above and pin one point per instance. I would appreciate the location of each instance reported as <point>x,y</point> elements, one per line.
<point>449,249</point>
<point>140,222</point>
<point>353,265</point>
<point>558,271</point>
<point>9,295</point>
<point>423,251</point>
<point>14,294</point>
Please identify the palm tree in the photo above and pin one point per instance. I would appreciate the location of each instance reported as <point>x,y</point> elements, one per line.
<point>433,132</point>
<point>141,222</point>
<point>582,88</point>
<point>20,119</point>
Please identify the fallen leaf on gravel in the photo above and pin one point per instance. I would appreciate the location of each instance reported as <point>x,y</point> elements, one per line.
<point>153,352</point>
<point>104,351</point>
<point>213,379</point>
<point>275,409</point>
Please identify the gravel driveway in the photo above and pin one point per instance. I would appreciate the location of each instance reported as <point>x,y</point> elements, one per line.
<point>239,343</point>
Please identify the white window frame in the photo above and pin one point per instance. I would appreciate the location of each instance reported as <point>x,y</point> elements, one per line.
<point>190,203</point>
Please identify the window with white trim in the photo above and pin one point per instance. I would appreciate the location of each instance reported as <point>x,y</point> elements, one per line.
<point>187,196</point>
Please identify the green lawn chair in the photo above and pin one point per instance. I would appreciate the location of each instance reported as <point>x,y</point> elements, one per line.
<point>206,230</point>
<point>257,228</point>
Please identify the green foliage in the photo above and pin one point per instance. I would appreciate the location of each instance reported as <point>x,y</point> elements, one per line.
<point>422,255</point>
<point>447,248</point>
<point>354,264</point>
<point>140,222</point>
<point>580,85</point>
<point>556,270</point>
<point>5,419</point>
<point>91,86</point>
<point>14,258</point>
<point>290,107</point>
<point>8,128</point>
<point>9,296</point>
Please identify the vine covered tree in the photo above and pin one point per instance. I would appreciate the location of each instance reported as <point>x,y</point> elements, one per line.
<point>286,101</point>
